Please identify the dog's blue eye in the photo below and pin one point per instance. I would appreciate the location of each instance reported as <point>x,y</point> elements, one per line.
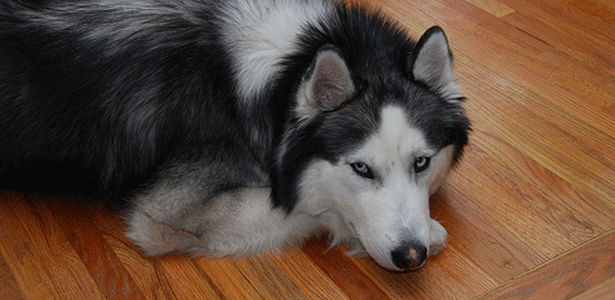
<point>421,164</point>
<point>362,170</point>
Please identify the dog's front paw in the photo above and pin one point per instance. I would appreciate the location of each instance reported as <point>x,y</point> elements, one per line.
<point>438,238</point>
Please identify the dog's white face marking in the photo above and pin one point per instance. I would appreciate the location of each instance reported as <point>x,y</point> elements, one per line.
<point>259,34</point>
<point>381,191</point>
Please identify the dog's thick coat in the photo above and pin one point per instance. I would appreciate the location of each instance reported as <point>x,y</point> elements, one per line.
<point>233,126</point>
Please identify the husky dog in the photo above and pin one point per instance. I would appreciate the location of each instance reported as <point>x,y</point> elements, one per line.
<point>233,127</point>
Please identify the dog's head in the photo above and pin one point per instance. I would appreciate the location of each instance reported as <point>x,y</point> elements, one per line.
<point>365,151</point>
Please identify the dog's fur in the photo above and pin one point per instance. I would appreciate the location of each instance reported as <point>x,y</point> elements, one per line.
<point>233,126</point>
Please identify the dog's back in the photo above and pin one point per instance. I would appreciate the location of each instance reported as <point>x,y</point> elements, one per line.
<point>99,93</point>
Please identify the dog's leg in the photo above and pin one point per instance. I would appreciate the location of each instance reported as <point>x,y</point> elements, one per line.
<point>240,221</point>
<point>438,237</point>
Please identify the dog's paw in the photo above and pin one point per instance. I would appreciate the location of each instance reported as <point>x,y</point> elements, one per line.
<point>438,238</point>
<point>156,238</point>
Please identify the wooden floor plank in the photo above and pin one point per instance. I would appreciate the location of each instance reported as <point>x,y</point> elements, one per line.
<point>493,7</point>
<point>471,234</point>
<point>268,279</point>
<point>93,249</point>
<point>603,291</point>
<point>519,216</point>
<point>574,33</point>
<point>561,153</point>
<point>181,279</point>
<point>9,287</point>
<point>38,254</point>
<point>566,276</point>
<point>339,267</point>
<point>228,278</point>
<point>305,274</point>
<point>606,3</point>
<point>601,11</point>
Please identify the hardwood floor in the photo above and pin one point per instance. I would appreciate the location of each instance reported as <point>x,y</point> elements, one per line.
<point>530,210</point>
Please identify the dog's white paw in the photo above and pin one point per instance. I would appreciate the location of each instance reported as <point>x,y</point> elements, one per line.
<point>438,238</point>
<point>157,238</point>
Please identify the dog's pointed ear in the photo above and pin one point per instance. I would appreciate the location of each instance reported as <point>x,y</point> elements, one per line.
<point>326,84</point>
<point>431,63</point>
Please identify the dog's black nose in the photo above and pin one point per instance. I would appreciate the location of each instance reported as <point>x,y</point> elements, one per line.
<point>409,256</point>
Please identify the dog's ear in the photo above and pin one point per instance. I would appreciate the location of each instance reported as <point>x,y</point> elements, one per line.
<point>326,84</point>
<point>431,63</point>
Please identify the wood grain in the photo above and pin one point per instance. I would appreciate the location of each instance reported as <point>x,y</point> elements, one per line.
<point>493,7</point>
<point>565,276</point>
<point>530,210</point>
<point>603,291</point>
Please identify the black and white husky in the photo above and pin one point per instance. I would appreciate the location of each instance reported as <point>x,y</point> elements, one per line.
<point>233,127</point>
